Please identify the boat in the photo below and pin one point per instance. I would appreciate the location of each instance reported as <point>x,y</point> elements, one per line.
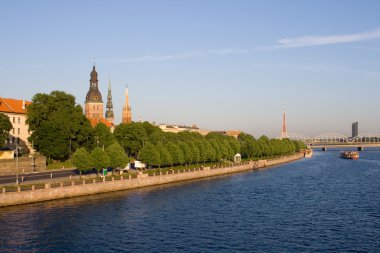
<point>350,155</point>
<point>308,153</point>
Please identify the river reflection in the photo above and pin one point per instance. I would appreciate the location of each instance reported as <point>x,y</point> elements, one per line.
<point>324,204</point>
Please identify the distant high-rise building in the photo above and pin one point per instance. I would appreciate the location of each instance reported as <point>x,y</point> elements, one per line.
<point>284,132</point>
<point>109,108</point>
<point>127,114</point>
<point>94,104</point>
<point>355,129</point>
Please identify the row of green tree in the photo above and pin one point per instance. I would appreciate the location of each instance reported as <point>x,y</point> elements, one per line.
<point>59,128</point>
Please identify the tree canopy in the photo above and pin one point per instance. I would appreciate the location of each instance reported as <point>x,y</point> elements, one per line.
<point>103,136</point>
<point>100,159</point>
<point>5,127</point>
<point>58,125</point>
<point>82,159</point>
<point>118,158</point>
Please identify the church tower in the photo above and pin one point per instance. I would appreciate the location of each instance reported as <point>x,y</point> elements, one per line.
<point>93,106</point>
<point>109,106</point>
<point>127,117</point>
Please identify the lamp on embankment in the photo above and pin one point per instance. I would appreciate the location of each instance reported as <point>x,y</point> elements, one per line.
<point>16,164</point>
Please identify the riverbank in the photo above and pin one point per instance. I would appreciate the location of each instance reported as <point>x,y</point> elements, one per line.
<point>85,187</point>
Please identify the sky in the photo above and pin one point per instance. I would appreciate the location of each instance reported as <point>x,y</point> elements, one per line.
<point>217,64</point>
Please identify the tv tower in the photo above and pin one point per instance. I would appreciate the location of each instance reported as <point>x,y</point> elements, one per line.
<point>284,132</point>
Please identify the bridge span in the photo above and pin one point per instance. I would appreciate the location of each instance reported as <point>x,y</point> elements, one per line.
<point>333,140</point>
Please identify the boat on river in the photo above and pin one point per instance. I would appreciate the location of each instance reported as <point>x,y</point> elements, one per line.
<point>308,153</point>
<point>350,155</point>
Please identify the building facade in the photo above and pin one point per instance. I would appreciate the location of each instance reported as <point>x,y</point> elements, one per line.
<point>355,129</point>
<point>18,136</point>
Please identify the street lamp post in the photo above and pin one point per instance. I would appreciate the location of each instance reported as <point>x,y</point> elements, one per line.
<point>16,165</point>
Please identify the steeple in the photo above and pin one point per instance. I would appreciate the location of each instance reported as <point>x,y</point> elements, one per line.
<point>94,95</point>
<point>93,106</point>
<point>127,114</point>
<point>109,106</point>
<point>284,132</point>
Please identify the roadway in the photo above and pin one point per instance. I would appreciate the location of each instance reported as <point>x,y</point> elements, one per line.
<point>29,177</point>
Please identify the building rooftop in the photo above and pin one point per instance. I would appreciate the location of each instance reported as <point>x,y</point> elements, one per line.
<point>10,105</point>
<point>95,121</point>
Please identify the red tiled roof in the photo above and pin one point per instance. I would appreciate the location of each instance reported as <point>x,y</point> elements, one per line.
<point>10,105</point>
<point>95,121</point>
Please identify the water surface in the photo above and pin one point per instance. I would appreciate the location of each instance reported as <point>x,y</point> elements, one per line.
<point>322,204</point>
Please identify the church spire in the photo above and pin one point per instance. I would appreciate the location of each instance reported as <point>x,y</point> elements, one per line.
<point>127,115</point>
<point>109,106</point>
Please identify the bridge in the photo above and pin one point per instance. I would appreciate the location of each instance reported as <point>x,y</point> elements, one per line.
<point>333,140</point>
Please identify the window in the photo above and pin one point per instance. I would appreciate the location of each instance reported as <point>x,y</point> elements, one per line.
<point>14,119</point>
<point>13,131</point>
<point>18,120</point>
<point>18,131</point>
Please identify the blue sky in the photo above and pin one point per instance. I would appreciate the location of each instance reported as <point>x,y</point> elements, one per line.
<point>218,64</point>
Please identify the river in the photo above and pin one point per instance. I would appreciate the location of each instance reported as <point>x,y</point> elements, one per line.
<point>322,204</point>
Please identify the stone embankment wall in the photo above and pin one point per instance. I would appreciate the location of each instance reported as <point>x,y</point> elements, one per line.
<point>143,180</point>
<point>25,165</point>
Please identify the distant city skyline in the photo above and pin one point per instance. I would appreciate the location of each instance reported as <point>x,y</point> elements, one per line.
<point>217,64</point>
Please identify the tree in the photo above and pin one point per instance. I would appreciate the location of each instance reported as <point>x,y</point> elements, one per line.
<point>50,142</point>
<point>59,112</point>
<point>150,155</point>
<point>118,158</point>
<point>165,157</point>
<point>194,151</point>
<point>103,136</point>
<point>100,159</point>
<point>175,153</point>
<point>82,160</point>
<point>186,151</point>
<point>5,127</point>
<point>132,137</point>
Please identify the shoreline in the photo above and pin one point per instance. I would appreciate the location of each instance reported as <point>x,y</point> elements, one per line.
<point>126,183</point>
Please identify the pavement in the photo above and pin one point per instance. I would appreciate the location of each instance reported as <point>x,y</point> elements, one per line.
<point>46,176</point>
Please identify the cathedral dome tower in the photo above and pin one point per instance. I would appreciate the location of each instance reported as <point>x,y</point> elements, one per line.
<point>94,103</point>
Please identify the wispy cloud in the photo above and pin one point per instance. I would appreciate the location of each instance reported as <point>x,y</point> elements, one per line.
<point>302,41</point>
<point>306,41</point>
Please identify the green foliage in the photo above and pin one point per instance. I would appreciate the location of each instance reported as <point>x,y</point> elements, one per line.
<point>50,142</point>
<point>217,150</point>
<point>186,151</point>
<point>265,147</point>
<point>165,157</point>
<point>150,155</point>
<point>103,136</point>
<point>132,137</point>
<point>5,127</point>
<point>175,153</point>
<point>196,156</point>
<point>58,125</point>
<point>118,158</point>
<point>99,158</point>
<point>82,159</point>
